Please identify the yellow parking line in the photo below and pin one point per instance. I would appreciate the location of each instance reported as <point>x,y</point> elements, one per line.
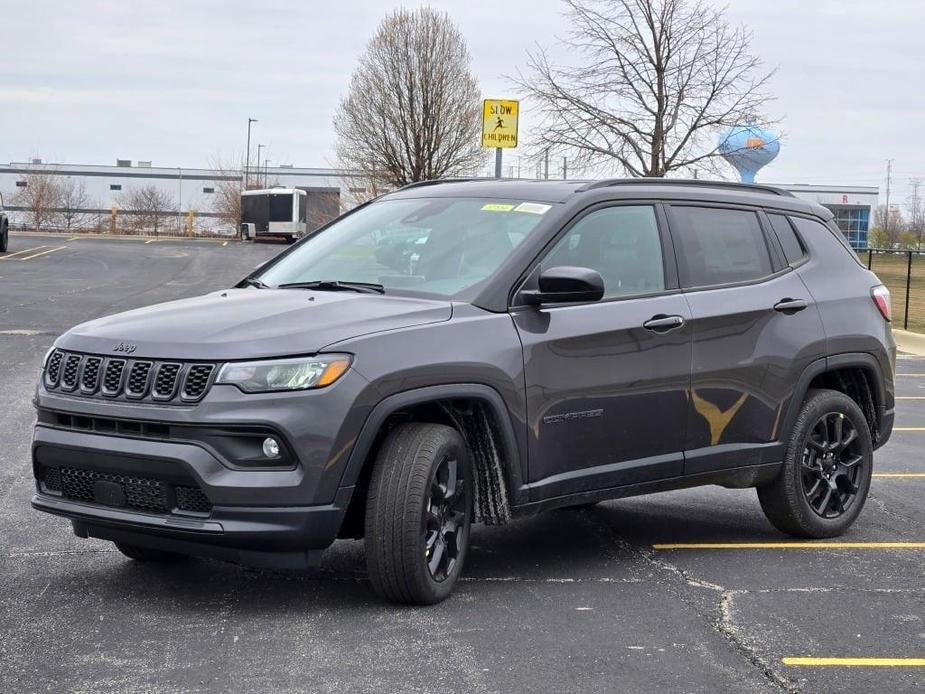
<point>899,474</point>
<point>792,545</point>
<point>10,256</point>
<point>36,255</point>
<point>857,662</point>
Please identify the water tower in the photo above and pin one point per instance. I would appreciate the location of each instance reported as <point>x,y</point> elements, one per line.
<point>747,148</point>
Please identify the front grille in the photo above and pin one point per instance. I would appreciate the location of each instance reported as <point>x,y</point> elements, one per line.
<point>193,500</point>
<point>53,372</point>
<point>134,379</point>
<point>90,380</point>
<point>71,371</point>
<point>145,494</point>
<point>137,385</point>
<point>165,384</point>
<point>197,380</point>
<point>112,382</point>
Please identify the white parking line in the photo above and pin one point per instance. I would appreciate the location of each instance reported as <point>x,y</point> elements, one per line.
<point>36,255</point>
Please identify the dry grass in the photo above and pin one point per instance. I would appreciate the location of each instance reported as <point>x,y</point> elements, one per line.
<point>891,268</point>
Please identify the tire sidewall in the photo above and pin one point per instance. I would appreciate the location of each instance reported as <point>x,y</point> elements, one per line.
<point>825,402</point>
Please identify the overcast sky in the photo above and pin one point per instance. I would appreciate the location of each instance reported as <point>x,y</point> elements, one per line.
<point>174,81</point>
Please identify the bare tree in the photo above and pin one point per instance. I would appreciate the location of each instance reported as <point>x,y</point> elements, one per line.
<point>73,209</point>
<point>652,83</point>
<point>148,207</point>
<point>39,197</point>
<point>413,111</point>
<point>226,201</point>
<point>888,227</point>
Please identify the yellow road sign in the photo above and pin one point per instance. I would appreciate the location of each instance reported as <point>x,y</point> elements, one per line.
<point>499,122</point>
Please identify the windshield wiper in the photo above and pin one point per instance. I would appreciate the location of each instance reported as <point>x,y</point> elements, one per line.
<point>336,286</point>
<point>254,282</point>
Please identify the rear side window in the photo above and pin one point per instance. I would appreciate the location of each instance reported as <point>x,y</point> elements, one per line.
<point>789,241</point>
<point>719,246</point>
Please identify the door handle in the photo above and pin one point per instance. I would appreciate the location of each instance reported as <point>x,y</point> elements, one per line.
<point>790,306</point>
<point>662,323</point>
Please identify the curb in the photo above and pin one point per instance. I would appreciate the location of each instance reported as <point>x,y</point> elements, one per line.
<point>909,342</point>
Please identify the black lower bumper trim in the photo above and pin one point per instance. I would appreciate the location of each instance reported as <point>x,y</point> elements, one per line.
<point>279,537</point>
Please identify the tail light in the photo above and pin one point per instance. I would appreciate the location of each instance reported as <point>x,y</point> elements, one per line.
<point>881,297</point>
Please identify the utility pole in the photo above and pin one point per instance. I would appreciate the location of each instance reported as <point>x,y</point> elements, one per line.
<point>247,157</point>
<point>889,182</point>
<point>266,173</point>
<point>546,164</point>
<point>259,147</point>
<point>564,168</point>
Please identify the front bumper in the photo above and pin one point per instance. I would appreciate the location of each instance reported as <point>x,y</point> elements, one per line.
<point>250,519</point>
<point>271,537</point>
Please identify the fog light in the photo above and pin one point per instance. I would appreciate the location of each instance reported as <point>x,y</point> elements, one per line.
<point>271,447</point>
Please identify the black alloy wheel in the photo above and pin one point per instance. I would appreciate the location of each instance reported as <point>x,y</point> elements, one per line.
<point>832,465</point>
<point>445,519</point>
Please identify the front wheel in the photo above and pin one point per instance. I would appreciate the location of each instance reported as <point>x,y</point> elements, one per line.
<point>418,514</point>
<point>825,477</point>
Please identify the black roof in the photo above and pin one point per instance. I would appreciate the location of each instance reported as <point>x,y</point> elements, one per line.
<point>662,188</point>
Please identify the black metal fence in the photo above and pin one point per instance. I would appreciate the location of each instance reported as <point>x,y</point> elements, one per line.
<point>903,272</point>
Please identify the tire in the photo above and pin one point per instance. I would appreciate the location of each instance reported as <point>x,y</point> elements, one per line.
<point>146,554</point>
<point>417,522</point>
<point>4,239</point>
<point>816,496</point>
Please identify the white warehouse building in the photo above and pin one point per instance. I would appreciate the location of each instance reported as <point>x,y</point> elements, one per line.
<point>196,190</point>
<point>187,190</point>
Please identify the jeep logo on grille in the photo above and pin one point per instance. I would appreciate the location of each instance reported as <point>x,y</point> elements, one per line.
<point>124,347</point>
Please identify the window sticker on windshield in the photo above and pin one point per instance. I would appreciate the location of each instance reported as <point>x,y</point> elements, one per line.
<point>497,207</point>
<point>532,208</point>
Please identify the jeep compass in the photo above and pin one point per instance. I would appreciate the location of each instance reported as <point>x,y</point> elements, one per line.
<point>472,351</point>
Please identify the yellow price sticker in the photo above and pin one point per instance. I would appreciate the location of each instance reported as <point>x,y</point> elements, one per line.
<point>497,207</point>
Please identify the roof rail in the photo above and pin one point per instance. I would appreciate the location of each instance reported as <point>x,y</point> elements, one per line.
<point>433,182</point>
<point>607,182</point>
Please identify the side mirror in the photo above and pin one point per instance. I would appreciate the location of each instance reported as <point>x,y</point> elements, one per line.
<point>565,284</point>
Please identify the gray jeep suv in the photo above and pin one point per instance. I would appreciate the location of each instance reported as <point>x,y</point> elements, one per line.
<point>472,351</point>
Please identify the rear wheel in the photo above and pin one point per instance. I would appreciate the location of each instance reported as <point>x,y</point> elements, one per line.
<point>146,554</point>
<point>4,239</point>
<point>418,514</point>
<point>824,481</point>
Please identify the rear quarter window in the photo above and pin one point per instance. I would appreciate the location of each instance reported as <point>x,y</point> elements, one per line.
<point>808,227</point>
<point>793,248</point>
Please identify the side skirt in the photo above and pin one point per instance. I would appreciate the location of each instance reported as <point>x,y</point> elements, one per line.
<point>736,478</point>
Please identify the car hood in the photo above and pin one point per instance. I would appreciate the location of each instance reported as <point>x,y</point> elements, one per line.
<point>250,323</point>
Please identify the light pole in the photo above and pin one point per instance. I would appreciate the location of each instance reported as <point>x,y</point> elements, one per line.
<point>259,147</point>
<point>266,173</point>
<point>247,156</point>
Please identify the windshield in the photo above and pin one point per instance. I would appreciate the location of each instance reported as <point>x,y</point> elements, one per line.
<point>438,246</point>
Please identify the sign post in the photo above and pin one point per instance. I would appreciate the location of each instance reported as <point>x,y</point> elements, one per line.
<point>499,127</point>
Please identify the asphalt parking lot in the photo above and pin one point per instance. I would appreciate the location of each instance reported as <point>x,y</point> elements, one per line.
<point>637,595</point>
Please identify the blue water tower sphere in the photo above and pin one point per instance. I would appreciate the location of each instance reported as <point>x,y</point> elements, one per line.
<point>747,148</point>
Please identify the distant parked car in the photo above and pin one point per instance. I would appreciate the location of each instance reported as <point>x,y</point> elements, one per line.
<point>4,228</point>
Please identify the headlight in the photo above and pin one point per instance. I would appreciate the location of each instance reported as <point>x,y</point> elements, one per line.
<point>301,373</point>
